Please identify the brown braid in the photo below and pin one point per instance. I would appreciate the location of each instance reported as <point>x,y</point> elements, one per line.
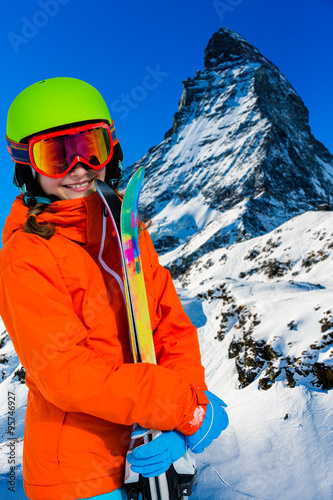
<point>45,230</point>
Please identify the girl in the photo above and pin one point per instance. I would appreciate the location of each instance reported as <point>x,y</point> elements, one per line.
<point>61,299</point>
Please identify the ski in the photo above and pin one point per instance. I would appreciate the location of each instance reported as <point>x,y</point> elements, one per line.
<point>179,479</point>
<point>125,220</point>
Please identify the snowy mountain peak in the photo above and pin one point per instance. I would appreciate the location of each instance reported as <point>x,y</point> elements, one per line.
<point>225,45</point>
<point>233,192</point>
<point>239,160</point>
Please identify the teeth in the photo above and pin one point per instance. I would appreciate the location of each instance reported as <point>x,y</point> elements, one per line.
<point>83,184</point>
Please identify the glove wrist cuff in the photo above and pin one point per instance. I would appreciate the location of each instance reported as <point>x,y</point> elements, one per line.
<point>195,422</point>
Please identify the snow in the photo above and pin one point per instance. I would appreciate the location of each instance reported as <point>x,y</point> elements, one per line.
<point>265,455</point>
<point>8,442</point>
<point>279,442</point>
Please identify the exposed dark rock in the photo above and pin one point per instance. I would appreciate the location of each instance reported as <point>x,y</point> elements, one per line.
<point>290,378</point>
<point>20,375</point>
<point>235,348</point>
<point>3,339</point>
<point>325,375</point>
<point>3,359</point>
<point>327,322</point>
<point>225,45</point>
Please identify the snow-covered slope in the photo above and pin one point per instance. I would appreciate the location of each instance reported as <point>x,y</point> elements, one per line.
<point>278,446</point>
<point>268,302</point>
<point>265,317</point>
<point>13,402</point>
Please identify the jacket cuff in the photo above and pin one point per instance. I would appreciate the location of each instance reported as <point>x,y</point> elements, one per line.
<point>196,415</point>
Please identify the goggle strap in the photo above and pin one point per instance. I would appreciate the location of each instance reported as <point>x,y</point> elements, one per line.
<point>18,152</point>
<point>115,139</point>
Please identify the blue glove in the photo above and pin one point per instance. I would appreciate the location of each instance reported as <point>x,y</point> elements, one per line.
<point>155,457</point>
<point>215,421</point>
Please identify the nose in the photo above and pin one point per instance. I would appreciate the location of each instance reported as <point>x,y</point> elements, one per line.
<point>79,169</point>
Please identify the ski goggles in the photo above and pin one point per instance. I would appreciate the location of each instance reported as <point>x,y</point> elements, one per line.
<point>54,154</point>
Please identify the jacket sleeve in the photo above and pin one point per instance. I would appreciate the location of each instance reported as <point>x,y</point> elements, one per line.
<point>175,337</point>
<point>52,345</point>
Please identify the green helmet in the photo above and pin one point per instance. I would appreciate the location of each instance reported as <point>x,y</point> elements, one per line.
<point>50,104</point>
<point>54,103</point>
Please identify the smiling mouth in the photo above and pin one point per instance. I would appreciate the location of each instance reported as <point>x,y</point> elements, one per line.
<point>79,184</point>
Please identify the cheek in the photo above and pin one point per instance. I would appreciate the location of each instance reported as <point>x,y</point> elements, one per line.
<point>101,174</point>
<point>48,184</point>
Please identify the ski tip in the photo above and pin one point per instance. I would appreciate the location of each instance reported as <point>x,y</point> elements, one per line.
<point>139,173</point>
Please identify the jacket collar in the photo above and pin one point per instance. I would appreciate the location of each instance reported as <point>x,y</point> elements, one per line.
<point>78,220</point>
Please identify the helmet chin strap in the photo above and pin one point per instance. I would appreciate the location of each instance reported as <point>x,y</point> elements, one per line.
<point>31,200</point>
<point>25,178</point>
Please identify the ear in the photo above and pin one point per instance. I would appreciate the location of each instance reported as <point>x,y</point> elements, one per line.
<point>23,175</point>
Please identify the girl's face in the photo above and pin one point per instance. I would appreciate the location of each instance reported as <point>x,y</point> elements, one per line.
<point>78,183</point>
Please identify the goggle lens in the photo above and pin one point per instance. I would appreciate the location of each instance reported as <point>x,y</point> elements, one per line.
<point>54,156</point>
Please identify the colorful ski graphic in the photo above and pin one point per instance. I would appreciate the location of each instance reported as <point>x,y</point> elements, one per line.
<point>130,241</point>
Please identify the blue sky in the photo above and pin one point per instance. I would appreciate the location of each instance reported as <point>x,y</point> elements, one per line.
<point>137,53</point>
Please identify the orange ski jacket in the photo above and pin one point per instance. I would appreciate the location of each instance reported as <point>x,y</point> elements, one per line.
<point>62,303</point>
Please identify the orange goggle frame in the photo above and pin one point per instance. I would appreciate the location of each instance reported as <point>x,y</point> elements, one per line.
<point>54,154</point>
